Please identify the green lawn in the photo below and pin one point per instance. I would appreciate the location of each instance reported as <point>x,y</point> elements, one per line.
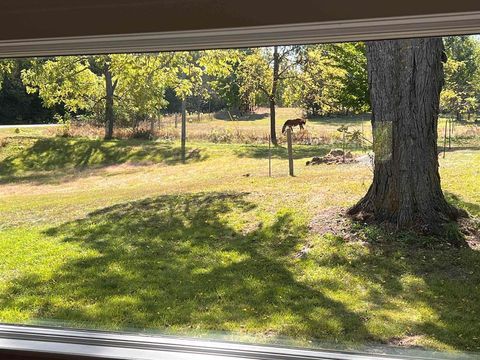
<point>121,235</point>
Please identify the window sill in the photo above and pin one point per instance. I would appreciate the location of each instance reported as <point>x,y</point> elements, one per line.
<point>38,342</point>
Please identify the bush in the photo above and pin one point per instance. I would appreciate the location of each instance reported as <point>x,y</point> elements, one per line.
<point>220,136</point>
<point>142,134</point>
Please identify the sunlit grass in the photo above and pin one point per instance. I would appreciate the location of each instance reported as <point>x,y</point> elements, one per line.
<point>131,238</point>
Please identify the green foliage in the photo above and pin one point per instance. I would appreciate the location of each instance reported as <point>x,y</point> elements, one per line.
<point>331,79</point>
<point>221,66</point>
<point>258,84</point>
<point>142,83</point>
<point>66,80</point>
<point>318,83</point>
<point>17,105</point>
<point>6,67</point>
<point>461,93</point>
<point>322,79</point>
<point>351,58</point>
<point>186,74</point>
<point>254,77</point>
<point>78,83</point>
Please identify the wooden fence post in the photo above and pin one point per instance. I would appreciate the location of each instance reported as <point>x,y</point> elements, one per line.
<point>449,133</point>
<point>184,129</point>
<point>290,152</point>
<point>445,139</point>
<point>269,156</point>
<point>152,125</point>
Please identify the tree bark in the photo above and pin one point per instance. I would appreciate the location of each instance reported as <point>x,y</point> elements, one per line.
<point>405,80</point>
<point>109,115</point>
<point>273,130</point>
<point>273,95</point>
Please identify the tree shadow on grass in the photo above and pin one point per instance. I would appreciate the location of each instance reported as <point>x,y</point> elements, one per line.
<point>420,284</point>
<point>176,262</point>
<point>224,115</point>
<point>47,159</point>
<point>353,120</point>
<point>473,209</point>
<point>279,152</point>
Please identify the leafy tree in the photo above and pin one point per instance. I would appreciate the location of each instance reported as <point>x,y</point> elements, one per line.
<point>331,78</point>
<point>351,58</point>
<point>6,67</point>
<point>222,67</point>
<point>263,71</point>
<point>144,79</point>
<point>16,104</point>
<point>186,77</point>
<point>318,83</point>
<point>406,78</point>
<point>69,81</point>
<point>254,77</point>
<point>462,71</point>
<point>101,84</point>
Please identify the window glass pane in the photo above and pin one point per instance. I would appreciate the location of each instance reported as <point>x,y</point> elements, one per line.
<point>152,192</point>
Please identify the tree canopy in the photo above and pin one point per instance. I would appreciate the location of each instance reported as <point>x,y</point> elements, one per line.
<point>321,79</point>
<point>461,92</point>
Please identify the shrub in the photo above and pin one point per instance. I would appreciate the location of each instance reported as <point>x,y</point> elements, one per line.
<point>143,134</point>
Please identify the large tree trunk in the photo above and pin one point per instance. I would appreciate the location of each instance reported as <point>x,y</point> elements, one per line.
<point>405,80</point>
<point>109,116</point>
<point>273,95</point>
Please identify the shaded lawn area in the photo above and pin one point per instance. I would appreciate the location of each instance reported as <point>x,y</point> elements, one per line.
<point>187,263</point>
<point>280,152</point>
<point>35,158</point>
<point>199,247</point>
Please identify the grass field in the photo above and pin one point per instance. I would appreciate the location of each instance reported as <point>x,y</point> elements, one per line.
<point>121,235</point>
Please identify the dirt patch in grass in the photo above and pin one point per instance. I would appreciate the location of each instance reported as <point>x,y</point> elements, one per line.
<point>408,341</point>
<point>336,222</point>
<point>470,228</point>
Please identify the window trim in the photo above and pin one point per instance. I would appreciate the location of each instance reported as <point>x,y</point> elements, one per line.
<point>322,32</point>
<point>99,345</point>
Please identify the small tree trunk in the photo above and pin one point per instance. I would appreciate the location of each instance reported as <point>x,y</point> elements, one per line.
<point>273,95</point>
<point>273,130</point>
<point>109,116</point>
<point>184,129</point>
<point>152,125</point>
<point>405,80</point>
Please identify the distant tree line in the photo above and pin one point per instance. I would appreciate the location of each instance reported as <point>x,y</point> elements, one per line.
<point>125,89</point>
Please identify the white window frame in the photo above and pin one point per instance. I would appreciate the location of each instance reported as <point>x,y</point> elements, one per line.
<point>305,33</point>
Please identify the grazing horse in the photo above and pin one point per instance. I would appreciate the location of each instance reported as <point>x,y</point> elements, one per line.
<point>294,122</point>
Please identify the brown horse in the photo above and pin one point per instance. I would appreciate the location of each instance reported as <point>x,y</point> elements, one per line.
<point>294,122</point>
